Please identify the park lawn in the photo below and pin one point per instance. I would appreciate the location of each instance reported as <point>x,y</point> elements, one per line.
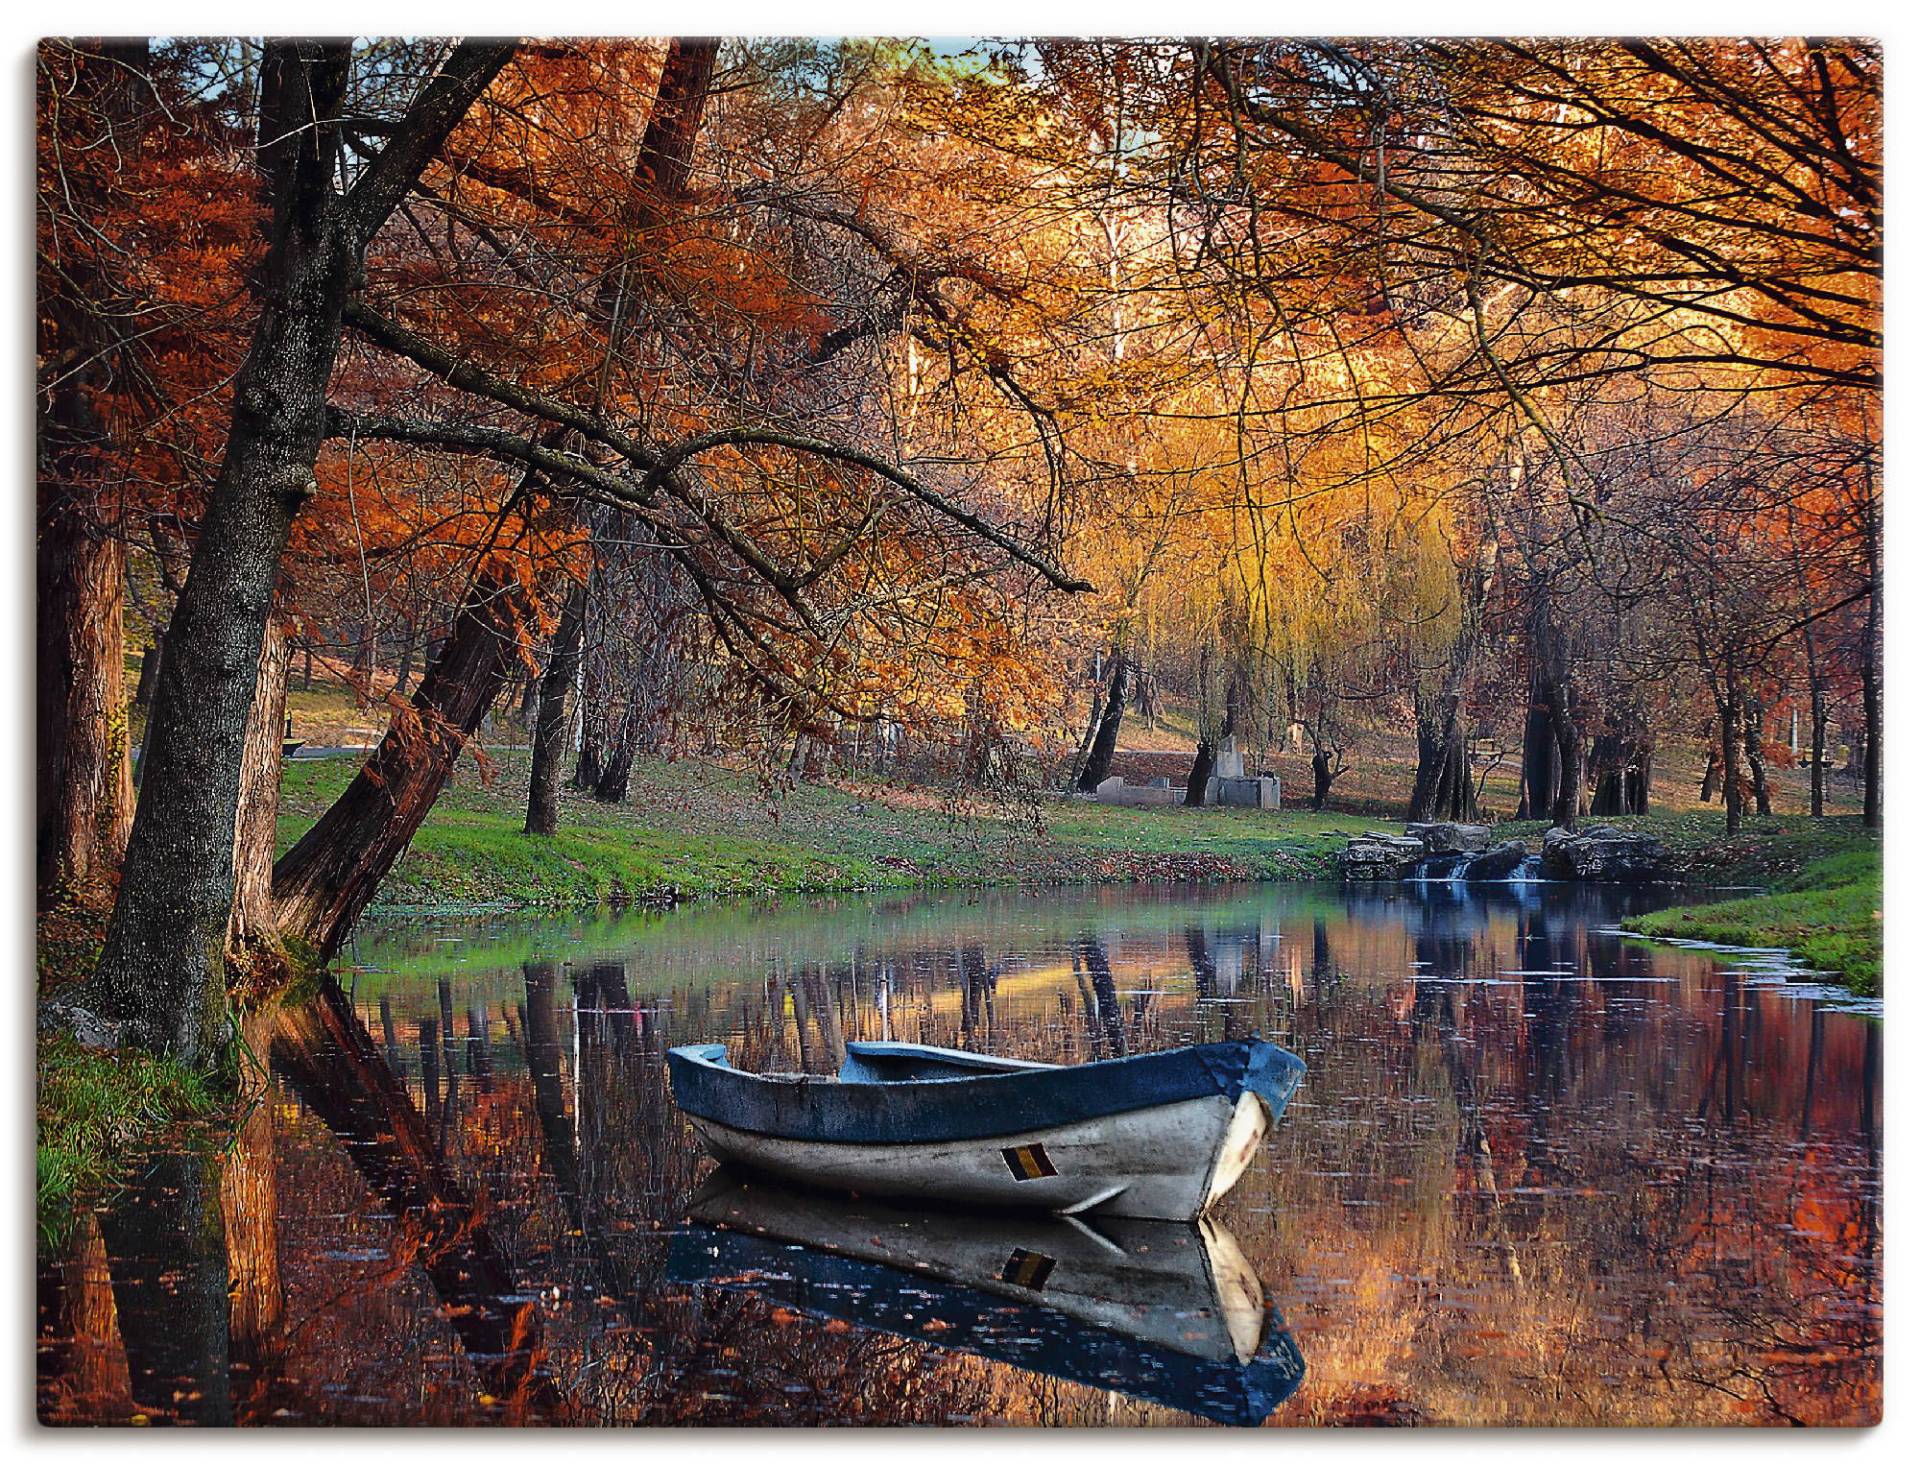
<point>692,828</point>
<point>1828,916</point>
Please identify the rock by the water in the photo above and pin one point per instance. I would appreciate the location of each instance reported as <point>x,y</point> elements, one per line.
<point>1451,838</point>
<point>1497,863</point>
<point>1380,856</point>
<point>1602,853</point>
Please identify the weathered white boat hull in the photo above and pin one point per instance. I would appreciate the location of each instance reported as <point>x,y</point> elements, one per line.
<point>1168,1162</point>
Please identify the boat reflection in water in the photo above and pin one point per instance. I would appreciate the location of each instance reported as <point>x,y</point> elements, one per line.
<point>1166,1312</point>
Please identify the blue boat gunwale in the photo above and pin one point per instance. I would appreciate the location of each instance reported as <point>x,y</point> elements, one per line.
<point>991,1104</point>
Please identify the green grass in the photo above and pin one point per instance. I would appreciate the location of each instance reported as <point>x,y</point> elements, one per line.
<point>95,1108</point>
<point>1768,852</point>
<point>1828,915</point>
<point>694,829</point>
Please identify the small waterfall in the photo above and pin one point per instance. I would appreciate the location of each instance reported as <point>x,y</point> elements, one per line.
<point>1527,871</point>
<point>1440,869</point>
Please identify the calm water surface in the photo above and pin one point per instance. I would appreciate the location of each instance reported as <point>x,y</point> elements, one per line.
<point>1537,1174</point>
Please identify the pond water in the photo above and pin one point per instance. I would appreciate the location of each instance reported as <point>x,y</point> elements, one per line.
<point>1537,1173</point>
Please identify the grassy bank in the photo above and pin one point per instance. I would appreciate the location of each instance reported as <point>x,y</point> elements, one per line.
<point>95,1108</point>
<point>1828,915</point>
<point>692,829</point>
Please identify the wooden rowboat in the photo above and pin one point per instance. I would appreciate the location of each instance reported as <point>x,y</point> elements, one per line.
<point>1160,1136</point>
<point>1169,1313</point>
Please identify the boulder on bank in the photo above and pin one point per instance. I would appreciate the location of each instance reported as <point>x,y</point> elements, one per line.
<point>1604,854</point>
<point>1451,838</point>
<point>1373,856</point>
<point>1497,863</point>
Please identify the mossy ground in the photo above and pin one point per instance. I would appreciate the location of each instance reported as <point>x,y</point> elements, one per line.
<point>1828,915</point>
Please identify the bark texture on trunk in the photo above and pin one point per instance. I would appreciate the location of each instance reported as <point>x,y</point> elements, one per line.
<point>554,719</point>
<point>1539,754</point>
<point>162,973</point>
<point>83,764</point>
<point>1443,781</point>
<point>1199,773</point>
<point>1100,754</point>
<point>83,784</point>
<point>323,883</point>
<point>253,928</point>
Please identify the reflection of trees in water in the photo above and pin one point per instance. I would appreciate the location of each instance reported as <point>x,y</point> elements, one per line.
<point>1516,1199</point>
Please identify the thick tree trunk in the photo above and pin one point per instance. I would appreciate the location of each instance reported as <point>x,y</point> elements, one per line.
<point>83,764</point>
<point>1756,759</point>
<point>1443,779</point>
<point>553,722</point>
<point>1565,812</point>
<point>323,882</point>
<point>1323,776</point>
<point>91,94</point>
<point>612,784</point>
<point>1100,754</point>
<point>1730,761</point>
<point>162,971</point>
<point>253,930</point>
<point>1199,773</point>
<point>1539,757</point>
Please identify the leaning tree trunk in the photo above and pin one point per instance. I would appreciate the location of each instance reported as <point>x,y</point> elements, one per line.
<point>162,970</point>
<point>161,973</point>
<point>321,884</point>
<point>550,727</point>
<point>1100,754</point>
<point>253,929</point>
<point>331,1062</point>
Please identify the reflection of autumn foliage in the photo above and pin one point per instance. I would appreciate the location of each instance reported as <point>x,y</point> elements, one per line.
<point>1504,1196</point>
